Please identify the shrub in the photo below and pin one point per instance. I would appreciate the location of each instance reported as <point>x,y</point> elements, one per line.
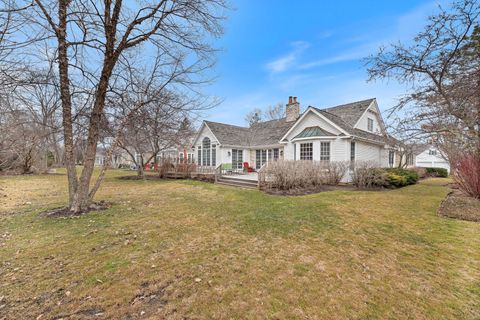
<point>368,175</point>
<point>437,172</point>
<point>287,175</point>
<point>409,176</point>
<point>421,172</point>
<point>396,180</point>
<point>466,173</point>
<point>335,171</point>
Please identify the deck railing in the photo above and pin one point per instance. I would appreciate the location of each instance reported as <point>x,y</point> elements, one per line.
<point>262,175</point>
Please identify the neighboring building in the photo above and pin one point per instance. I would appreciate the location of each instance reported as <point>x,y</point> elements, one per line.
<point>119,158</point>
<point>349,132</point>
<point>430,157</point>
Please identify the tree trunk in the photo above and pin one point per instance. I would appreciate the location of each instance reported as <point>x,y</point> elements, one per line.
<point>66,102</point>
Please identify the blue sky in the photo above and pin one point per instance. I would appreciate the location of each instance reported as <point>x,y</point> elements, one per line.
<point>309,49</point>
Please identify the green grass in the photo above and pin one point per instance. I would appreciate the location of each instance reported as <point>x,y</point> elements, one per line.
<point>186,249</point>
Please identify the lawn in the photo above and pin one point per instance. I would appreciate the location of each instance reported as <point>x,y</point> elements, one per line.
<point>193,250</point>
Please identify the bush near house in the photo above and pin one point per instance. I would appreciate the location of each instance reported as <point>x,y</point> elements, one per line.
<point>288,175</point>
<point>437,172</point>
<point>367,175</point>
<point>399,177</point>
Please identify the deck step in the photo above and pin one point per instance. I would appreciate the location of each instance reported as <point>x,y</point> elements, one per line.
<point>235,182</point>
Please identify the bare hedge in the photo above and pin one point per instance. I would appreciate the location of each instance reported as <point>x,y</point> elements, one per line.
<point>288,174</point>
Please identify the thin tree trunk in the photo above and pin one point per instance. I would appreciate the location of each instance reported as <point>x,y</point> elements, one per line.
<point>66,102</point>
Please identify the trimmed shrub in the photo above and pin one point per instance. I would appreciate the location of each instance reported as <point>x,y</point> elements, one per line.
<point>466,173</point>
<point>395,180</point>
<point>437,172</point>
<point>421,172</point>
<point>288,175</point>
<point>368,175</point>
<point>335,171</point>
<point>409,176</point>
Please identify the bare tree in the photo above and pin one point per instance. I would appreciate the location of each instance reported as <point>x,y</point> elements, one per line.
<point>443,68</point>
<point>83,32</point>
<point>253,117</point>
<point>275,112</point>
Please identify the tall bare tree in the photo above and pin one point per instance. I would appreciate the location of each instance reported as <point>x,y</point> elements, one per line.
<point>442,67</point>
<point>91,38</point>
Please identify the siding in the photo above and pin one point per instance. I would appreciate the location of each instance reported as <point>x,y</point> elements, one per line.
<point>370,152</point>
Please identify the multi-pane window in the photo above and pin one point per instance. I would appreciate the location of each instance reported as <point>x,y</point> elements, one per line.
<point>275,154</point>
<point>214,155</point>
<point>432,152</point>
<point>324,151</point>
<point>206,151</point>
<point>352,151</point>
<point>306,151</point>
<point>391,158</point>
<point>237,159</point>
<point>199,160</point>
<point>370,124</point>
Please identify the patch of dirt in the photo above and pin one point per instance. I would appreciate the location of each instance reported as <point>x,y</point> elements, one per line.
<point>65,212</point>
<point>457,205</point>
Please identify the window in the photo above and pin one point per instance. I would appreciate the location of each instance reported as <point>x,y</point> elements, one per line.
<point>214,155</point>
<point>410,159</point>
<point>199,160</point>
<point>275,154</point>
<point>306,151</point>
<point>324,151</point>
<point>370,124</point>
<point>352,151</point>
<point>237,159</point>
<point>432,152</point>
<point>294,151</point>
<point>391,158</point>
<point>206,151</point>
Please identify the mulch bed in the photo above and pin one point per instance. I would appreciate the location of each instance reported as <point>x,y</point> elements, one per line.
<point>146,177</point>
<point>311,190</point>
<point>65,213</point>
<point>457,205</point>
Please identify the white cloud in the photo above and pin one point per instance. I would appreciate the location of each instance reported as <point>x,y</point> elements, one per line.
<point>285,62</point>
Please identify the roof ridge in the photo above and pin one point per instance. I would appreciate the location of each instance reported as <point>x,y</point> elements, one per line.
<point>349,103</point>
<point>225,124</point>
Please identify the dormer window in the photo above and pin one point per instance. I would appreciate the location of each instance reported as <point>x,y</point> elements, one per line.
<point>432,152</point>
<point>370,124</point>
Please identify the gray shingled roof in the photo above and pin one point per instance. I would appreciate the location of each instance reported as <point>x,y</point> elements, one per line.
<point>270,132</point>
<point>261,134</point>
<point>350,112</point>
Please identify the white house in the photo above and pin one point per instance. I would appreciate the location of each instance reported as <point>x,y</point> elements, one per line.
<point>349,132</point>
<point>431,157</point>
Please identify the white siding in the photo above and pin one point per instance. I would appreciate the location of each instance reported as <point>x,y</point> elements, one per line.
<point>370,152</point>
<point>312,120</point>
<point>373,113</point>
<point>206,132</point>
<point>426,160</point>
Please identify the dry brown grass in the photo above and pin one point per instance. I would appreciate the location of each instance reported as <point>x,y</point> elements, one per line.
<point>192,250</point>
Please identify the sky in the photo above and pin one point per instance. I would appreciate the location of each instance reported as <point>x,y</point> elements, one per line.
<point>309,49</point>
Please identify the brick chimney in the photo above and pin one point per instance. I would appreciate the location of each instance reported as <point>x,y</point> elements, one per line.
<point>293,109</point>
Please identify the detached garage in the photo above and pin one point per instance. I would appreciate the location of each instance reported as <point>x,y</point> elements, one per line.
<point>431,158</point>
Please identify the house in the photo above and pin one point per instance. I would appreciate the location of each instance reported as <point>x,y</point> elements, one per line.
<point>349,132</point>
<point>430,157</point>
